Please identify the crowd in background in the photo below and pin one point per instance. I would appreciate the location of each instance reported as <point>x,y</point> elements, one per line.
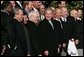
<point>28,28</point>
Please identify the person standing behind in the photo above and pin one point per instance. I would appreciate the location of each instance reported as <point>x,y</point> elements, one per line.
<point>7,35</point>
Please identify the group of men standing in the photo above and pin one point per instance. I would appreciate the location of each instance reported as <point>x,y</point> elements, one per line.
<point>27,36</point>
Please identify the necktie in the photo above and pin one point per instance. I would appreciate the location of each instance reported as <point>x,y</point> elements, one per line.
<point>61,24</point>
<point>51,24</point>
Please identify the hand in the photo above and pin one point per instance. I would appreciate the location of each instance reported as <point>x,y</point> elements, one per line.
<point>28,55</point>
<point>46,52</point>
<point>39,55</point>
<point>3,50</point>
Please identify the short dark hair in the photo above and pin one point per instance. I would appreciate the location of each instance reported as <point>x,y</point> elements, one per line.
<point>59,2</point>
<point>48,9</point>
<point>5,4</point>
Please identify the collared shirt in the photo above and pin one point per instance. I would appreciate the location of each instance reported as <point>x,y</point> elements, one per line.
<point>63,19</point>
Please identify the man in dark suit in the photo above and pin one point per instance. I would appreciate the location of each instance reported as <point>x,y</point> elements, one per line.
<point>68,26</point>
<point>47,40</point>
<point>78,31</point>
<point>58,29</point>
<point>20,37</point>
<point>33,32</point>
<point>7,35</point>
<point>79,36</point>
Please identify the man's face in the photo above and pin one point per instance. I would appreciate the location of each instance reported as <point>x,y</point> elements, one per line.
<point>75,14</point>
<point>80,13</point>
<point>20,15</point>
<point>35,18</point>
<point>25,19</point>
<point>42,9</point>
<point>64,12</point>
<point>37,3</point>
<point>30,5</point>
<point>63,4</point>
<point>58,13</point>
<point>10,7</point>
<point>48,14</point>
<point>13,4</point>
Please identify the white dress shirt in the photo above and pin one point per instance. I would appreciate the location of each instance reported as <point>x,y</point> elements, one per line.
<point>63,19</point>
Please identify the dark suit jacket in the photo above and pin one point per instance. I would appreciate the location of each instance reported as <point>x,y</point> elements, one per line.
<point>68,27</point>
<point>58,31</point>
<point>79,32</point>
<point>47,38</point>
<point>34,38</point>
<point>7,35</point>
<point>20,39</point>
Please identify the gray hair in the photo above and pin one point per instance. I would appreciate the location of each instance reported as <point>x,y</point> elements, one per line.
<point>16,10</point>
<point>32,13</point>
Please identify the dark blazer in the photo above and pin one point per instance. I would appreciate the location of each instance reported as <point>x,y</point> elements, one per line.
<point>47,38</point>
<point>20,39</point>
<point>58,31</point>
<point>68,27</point>
<point>79,32</point>
<point>7,35</point>
<point>34,38</point>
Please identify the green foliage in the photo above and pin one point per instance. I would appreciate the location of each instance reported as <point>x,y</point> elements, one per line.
<point>70,4</point>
